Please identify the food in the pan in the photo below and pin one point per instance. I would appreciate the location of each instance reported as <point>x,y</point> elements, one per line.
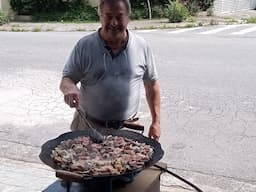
<point>114,156</point>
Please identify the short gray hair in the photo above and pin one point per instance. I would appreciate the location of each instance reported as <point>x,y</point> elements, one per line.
<point>126,2</point>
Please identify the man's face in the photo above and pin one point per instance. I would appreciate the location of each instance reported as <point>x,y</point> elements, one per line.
<point>114,18</point>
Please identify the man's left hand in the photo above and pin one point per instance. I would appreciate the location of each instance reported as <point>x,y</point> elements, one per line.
<point>154,131</point>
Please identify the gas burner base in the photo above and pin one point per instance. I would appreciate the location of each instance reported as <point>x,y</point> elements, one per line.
<point>147,180</point>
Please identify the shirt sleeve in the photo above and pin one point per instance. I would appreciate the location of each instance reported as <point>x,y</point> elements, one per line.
<point>151,71</point>
<point>73,66</point>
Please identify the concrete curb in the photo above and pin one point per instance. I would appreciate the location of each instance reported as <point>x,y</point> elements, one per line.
<point>201,20</point>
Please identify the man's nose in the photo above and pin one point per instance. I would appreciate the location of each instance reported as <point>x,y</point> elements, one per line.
<point>113,22</point>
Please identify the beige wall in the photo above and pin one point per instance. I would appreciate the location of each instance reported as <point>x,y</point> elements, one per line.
<point>5,5</point>
<point>94,2</point>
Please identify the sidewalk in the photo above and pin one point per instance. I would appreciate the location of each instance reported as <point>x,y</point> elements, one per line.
<point>200,20</point>
<point>20,176</point>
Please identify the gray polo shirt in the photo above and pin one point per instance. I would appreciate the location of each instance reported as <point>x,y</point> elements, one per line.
<point>110,86</point>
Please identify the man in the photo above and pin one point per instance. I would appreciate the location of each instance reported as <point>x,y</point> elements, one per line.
<point>110,64</point>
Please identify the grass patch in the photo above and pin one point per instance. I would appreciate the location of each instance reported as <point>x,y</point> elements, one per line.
<point>231,21</point>
<point>190,25</point>
<point>49,29</point>
<point>13,29</point>
<point>36,29</point>
<point>80,29</point>
<point>227,18</point>
<point>251,20</point>
<point>164,27</point>
<point>151,27</point>
<point>147,27</point>
<point>191,19</point>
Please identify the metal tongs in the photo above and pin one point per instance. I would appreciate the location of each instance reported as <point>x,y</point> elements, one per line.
<point>95,135</point>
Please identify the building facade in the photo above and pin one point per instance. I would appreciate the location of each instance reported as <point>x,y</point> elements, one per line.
<point>229,6</point>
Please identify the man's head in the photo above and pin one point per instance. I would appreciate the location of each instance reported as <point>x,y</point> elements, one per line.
<point>114,15</point>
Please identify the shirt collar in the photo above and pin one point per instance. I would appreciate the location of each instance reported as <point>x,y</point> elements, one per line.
<point>105,47</point>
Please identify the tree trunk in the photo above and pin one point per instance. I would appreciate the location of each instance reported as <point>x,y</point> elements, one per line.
<point>149,9</point>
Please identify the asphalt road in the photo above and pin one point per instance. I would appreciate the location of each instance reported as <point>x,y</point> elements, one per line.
<point>207,92</point>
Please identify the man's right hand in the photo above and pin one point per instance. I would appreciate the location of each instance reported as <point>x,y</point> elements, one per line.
<point>72,98</point>
<point>70,91</point>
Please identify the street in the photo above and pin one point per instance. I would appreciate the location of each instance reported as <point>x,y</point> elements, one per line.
<point>208,100</point>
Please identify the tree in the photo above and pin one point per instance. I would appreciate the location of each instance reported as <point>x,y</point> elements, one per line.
<point>149,9</point>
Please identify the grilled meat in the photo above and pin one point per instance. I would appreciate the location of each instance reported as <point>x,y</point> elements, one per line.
<point>116,155</point>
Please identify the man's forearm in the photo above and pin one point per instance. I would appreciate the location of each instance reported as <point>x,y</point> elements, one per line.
<point>70,92</point>
<point>153,99</point>
<point>66,84</point>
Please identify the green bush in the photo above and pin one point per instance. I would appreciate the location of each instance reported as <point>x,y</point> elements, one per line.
<point>177,12</point>
<point>76,14</point>
<point>28,7</point>
<point>160,11</point>
<point>3,18</point>
<point>139,13</point>
<point>142,4</point>
<point>194,6</point>
<point>56,10</point>
<point>22,7</point>
<point>205,4</point>
<point>140,9</point>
